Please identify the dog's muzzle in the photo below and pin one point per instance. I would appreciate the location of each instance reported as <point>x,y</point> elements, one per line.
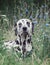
<point>25,32</point>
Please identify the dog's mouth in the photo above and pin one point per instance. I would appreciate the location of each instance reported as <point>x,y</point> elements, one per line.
<point>24,33</point>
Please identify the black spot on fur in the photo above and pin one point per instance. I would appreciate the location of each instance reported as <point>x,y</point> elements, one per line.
<point>28,40</point>
<point>24,43</point>
<point>24,46</point>
<point>10,41</point>
<point>22,20</point>
<point>28,23</point>
<point>19,49</point>
<point>20,43</point>
<point>16,31</point>
<point>20,24</point>
<point>24,49</point>
<point>17,42</point>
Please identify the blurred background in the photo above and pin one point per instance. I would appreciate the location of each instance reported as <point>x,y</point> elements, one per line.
<point>38,11</point>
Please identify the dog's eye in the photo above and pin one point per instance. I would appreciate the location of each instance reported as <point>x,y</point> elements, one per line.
<point>20,24</point>
<point>28,24</point>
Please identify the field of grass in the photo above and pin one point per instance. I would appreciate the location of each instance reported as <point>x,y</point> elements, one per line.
<point>41,44</point>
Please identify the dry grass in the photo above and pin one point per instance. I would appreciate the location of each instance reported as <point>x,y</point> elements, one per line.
<point>9,35</point>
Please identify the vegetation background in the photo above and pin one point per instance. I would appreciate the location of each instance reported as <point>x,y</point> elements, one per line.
<point>10,12</point>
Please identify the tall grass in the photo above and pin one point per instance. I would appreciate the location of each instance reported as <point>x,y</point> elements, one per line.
<point>41,44</point>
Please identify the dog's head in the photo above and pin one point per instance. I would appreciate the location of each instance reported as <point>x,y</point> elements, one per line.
<point>24,27</point>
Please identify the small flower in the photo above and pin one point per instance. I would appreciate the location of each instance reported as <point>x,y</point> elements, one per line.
<point>31,16</point>
<point>38,39</point>
<point>26,11</point>
<point>47,24</point>
<point>35,22</point>
<point>41,29</point>
<point>21,14</point>
<point>43,33</point>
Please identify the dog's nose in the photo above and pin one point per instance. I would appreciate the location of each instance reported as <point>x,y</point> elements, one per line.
<point>24,28</point>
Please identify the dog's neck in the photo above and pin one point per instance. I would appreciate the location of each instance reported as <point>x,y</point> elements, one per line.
<point>23,38</point>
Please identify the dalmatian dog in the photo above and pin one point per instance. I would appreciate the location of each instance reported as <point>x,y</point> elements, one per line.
<point>24,29</point>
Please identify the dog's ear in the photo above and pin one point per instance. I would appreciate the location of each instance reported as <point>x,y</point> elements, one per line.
<point>32,28</point>
<point>15,28</point>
